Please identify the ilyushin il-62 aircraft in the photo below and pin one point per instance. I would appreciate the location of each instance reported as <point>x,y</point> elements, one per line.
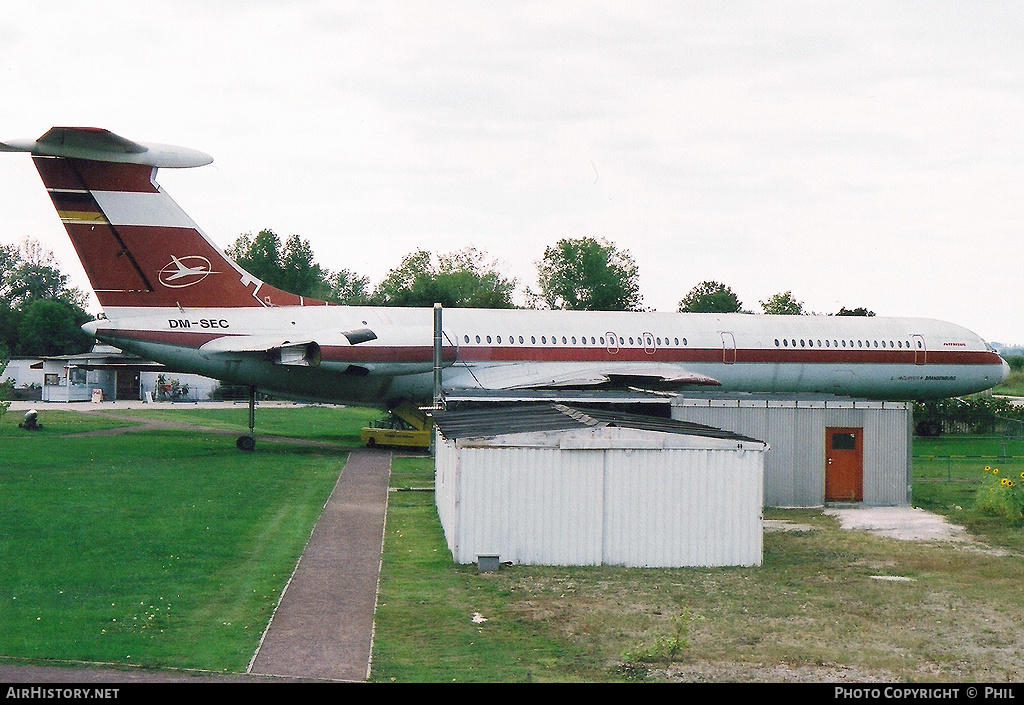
<point>170,294</point>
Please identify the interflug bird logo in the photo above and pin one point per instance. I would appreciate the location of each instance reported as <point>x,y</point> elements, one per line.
<point>185,271</point>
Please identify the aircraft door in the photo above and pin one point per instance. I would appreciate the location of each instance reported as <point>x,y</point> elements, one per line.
<point>649,347</point>
<point>613,342</point>
<point>920,350</point>
<point>728,348</point>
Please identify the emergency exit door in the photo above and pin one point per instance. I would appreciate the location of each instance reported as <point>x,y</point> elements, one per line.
<point>844,464</point>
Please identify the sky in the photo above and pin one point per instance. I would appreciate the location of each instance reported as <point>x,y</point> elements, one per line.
<point>858,154</point>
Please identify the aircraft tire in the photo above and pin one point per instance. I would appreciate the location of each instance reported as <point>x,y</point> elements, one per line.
<point>245,443</point>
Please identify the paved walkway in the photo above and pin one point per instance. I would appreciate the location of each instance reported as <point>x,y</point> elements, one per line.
<point>323,627</point>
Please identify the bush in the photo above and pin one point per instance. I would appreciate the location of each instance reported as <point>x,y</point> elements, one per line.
<point>1001,495</point>
<point>980,414</point>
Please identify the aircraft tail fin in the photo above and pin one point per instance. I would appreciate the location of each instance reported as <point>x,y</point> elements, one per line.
<point>138,247</point>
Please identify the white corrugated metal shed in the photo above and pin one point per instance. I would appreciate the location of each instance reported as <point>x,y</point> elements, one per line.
<point>550,485</point>
<point>796,429</point>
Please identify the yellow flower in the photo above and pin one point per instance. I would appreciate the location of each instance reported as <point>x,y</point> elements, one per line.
<point>1004,482</point>
<point>988,468</point>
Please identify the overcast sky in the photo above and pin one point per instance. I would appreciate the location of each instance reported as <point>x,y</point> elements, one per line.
<point>856,153</point>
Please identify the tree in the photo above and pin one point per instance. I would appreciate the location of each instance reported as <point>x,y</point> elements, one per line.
<point>31,272</point>
<point>588,275</point>
<point>347,287</point>
<point>259,255</point>
<point>52,327</point>
<point>300,274</point>
<point>855,312</point>
<point>783,305</point>
<point>460,279</point>
<point>291,266</point>
<point>39,313</point>
<point>710,297</point>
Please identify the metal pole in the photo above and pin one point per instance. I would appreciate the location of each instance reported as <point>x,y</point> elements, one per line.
<point>252,409</point>
<point>437,356</point>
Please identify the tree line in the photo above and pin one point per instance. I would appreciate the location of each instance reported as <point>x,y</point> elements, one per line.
<point>41,315</point>
<point>581,274</point>
<point>574,274</point>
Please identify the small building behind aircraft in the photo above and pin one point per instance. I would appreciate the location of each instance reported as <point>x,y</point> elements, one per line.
<point>549,484</point>
<point>102,374</point>
<point>823,449</point>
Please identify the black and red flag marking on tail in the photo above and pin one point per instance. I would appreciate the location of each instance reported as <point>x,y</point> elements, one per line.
<point>138,247</point>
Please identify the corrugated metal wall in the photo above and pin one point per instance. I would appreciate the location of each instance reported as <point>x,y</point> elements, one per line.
<point>642,506</point>
<point>795,431</point>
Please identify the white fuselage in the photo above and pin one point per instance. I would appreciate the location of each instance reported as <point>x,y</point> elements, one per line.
<point>880,358</point>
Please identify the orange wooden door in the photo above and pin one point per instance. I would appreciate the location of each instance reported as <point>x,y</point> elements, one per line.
<point>844,464</point>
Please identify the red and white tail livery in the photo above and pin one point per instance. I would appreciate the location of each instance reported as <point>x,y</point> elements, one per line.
<point>171,295</point>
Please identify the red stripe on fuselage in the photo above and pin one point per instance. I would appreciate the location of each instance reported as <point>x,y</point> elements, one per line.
<point>422,353</point>
<point>715,355</point>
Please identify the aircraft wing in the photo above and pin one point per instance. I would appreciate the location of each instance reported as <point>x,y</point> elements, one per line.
<point>644,376</point>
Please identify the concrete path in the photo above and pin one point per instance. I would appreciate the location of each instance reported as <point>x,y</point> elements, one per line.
<point>907,523</point>
<point>323,627</point>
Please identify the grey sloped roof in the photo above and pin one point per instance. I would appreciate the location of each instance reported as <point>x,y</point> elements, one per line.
<point>501,419</point>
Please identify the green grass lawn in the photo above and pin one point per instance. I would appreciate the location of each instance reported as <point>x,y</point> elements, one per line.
<point>168,548</point>
<point>312,423</point>
<point>158,548</point>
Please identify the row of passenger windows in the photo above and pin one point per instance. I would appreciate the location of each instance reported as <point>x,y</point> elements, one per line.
<point>646,340</point>
<point>786,343</point>
<point>649,341</point>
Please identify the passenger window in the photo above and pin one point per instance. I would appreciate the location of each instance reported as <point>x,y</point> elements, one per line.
<point>478,339</point>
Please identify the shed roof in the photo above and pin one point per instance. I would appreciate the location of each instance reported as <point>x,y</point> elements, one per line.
<point>501,419</point>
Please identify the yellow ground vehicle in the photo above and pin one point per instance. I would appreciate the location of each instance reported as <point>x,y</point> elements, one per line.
<point>407,425</point>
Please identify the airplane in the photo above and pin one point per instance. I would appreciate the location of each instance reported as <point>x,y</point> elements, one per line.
<point>170,294</point>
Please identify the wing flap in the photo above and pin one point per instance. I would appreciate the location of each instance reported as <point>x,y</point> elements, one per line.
<point>653,377</point>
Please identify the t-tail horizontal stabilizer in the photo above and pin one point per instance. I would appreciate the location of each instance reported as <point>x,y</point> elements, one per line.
<point>102,145</point>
